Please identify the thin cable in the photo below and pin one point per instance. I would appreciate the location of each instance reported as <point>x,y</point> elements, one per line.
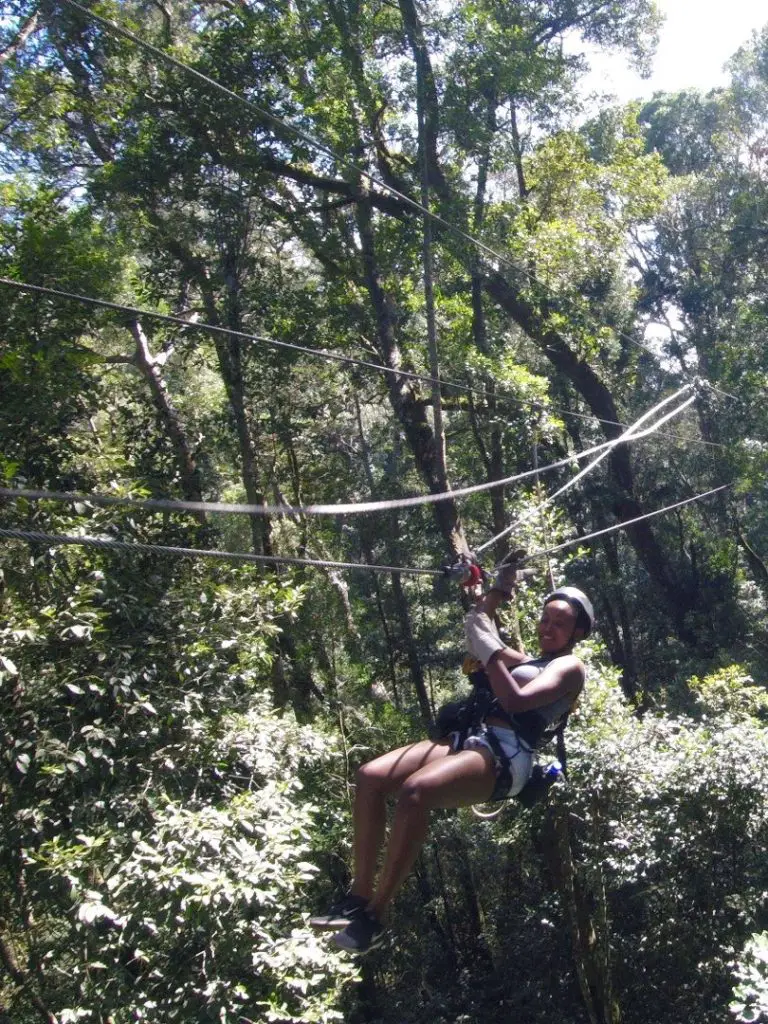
<point>228,331</point>
<point>320,354</point>
<point>630,434</point>
<point>620,526</point>
<point>328,151</point>
<point>232,556</point>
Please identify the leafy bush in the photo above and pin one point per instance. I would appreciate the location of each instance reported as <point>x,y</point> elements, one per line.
<point>158,816</point>
<point>751,972</point>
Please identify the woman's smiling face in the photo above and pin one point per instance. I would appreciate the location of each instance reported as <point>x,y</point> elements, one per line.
<point>556,625</point>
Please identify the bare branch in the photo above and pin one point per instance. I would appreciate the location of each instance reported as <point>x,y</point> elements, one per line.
<point>31,25</point>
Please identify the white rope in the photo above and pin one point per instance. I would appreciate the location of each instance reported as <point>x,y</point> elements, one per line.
<point>100,542</point>
<point>350,508</point>
<point>630,434</point>
<point>486,815</point>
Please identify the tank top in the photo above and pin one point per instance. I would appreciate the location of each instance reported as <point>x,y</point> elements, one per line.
<point>532,724</point>
<point>527,671</point>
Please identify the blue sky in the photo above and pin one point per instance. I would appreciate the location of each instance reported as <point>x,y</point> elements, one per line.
<point>697,38</point>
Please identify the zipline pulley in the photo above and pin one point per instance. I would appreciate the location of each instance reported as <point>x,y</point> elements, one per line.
<point>466,571</point>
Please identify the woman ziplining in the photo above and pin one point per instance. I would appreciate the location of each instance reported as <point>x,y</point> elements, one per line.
<point>525,697</point>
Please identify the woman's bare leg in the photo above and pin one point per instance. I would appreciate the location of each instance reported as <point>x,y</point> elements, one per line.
<point>375,781</point>
<point>457,781</point>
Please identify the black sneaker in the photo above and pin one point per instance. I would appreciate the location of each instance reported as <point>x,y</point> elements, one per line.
<point>341,913</point>
<point>363,933</point>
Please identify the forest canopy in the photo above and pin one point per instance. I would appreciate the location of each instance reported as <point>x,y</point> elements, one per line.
<point>287,254</point>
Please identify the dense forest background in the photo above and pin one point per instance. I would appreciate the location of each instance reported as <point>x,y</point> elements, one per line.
<point>179,735</point>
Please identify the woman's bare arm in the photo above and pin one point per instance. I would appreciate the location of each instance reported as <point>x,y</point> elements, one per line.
<point>562,677</point>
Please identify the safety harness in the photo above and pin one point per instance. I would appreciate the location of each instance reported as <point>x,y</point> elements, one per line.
<point>466,718</point>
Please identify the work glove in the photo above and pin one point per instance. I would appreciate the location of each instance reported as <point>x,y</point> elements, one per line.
<point>482,637</point>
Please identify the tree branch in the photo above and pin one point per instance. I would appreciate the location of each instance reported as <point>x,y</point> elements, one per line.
<point>31,25</point>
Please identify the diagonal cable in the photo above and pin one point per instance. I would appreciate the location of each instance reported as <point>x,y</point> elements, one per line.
<point>620,526</point>
<point>55,539</point>
<point>630,434</point>
<point>151,314</point>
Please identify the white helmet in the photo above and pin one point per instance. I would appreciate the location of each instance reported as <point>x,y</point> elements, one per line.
<point>579,601</point>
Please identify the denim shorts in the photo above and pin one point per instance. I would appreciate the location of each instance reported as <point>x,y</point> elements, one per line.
<point>519,754</point>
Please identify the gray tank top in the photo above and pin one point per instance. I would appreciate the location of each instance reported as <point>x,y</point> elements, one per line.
<point>528,670</point>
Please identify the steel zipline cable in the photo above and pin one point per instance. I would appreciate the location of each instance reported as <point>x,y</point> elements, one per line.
<point>138,312</point>
<point>324,148</point>
<point>105,543</point>
<point>351,508</point>
<point>56,539</point>
<point>624,524</point>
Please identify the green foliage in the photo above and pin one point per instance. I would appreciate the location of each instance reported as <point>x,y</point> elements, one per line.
<point>166,824</point>
<point>751,974</point>
<point>730,691</point>
<point>154,807</point>
<point>677,807</point>
<point>195,909</point>
<point>47,374</point>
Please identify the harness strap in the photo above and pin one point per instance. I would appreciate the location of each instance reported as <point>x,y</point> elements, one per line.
<point>504,776</point>
<point>559,738</point>
<point>530,728</point>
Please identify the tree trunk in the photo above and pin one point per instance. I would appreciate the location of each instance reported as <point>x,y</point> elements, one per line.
<point>30,26</point>
<point>149,368</point>
<point>411,649</point>
<point>586,916</point>
<point>494,453</point>
<point>368,551</point>
<point>409,410</point>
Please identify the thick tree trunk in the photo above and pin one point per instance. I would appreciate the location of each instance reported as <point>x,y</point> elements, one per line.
<point>600,401</point>
<point>494,456</point>
<point>420,51</point>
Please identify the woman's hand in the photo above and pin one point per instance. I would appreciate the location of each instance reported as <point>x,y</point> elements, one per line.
<point>483,640</point>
